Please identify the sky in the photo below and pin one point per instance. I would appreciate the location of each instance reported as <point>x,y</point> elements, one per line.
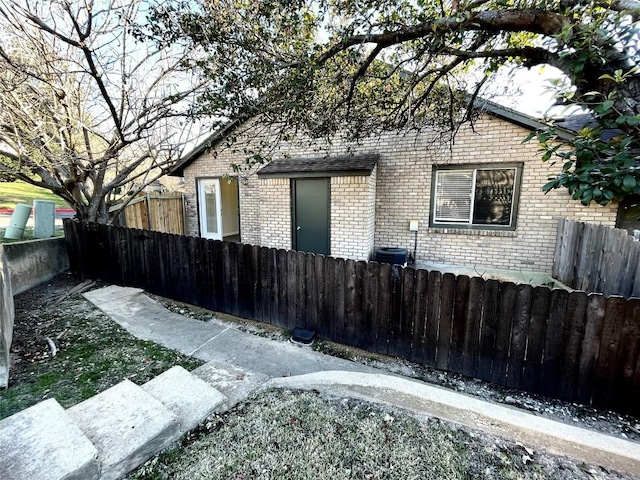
<point>529,91</point>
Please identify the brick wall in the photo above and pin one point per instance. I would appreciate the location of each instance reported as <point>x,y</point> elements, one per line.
<point>401,187</point>
<point>352,218</point>
<point>275,212</point>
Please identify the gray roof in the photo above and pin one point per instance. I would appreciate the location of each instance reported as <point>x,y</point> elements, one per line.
<point>579,121</point>
<point>492,108</point>
<point>326,166</point>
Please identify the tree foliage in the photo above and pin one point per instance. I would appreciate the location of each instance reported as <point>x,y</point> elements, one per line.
<point>87,109</point>
<point>359,66</point>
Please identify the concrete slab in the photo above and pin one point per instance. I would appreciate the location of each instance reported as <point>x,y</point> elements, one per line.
<point>7,316</point>
<point>234,382</point>
<point>585,445</point>
<point>126,425</point>
<point>187,396</point>
<point>271,357</point>
<point>43,443</point>
<point>147,319</point>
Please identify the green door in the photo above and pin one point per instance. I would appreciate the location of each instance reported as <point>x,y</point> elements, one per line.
<point>311,215</point>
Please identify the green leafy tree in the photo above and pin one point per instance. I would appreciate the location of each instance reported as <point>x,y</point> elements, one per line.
<point>355,67</point>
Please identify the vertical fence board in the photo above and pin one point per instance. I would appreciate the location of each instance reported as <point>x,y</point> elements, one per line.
<point>217,289</point>
<point>319,293</point>
<point>383,312</point>
<point>203,269</point>
<point>274,285</point>
<point>339,304</point>
<point>535,338</point>
<point>559,255</point>
<point>245,281</point>
<point>628,354</point>
<point>635,288</point>
<point>228,277</point>
<point>177,265</point>
<point>433,318</point>
<point>264,298</point>
<point>111,272</point>
<point>574,333</point>
<point>553,346</point>
<point>488,330</point>
<point>609,357</point>
<point>301,295</point>
<point>350,305</point>
<point>505,310</point>
<point>461,299</point>
<point>472,327</point>
<point>576,247</point>
<point>359,304</point>
<point>447,292</point>
<point>590,349</point>
<point>402,347</point>
<point>519,329</point>
<point>419,338</point>
<point>72,242</point>
<point>292,288</point>
<point>583,262</point>
<point>281,318</point>
<point>328,318</point>
<point>370,305</point>
<point>395,310</point>
<point>192,256</point>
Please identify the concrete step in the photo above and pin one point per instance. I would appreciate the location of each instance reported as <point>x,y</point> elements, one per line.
<point>127,426</point>
<point>187,396</point>
<point>44,443</point>
<point>234,382</point>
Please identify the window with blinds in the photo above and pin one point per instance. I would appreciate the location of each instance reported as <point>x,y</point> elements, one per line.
<point>481,197</point>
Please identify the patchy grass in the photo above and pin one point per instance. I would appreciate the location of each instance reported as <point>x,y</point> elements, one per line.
<point>12,193</point>
<point>303,435</point>
<point>93,353</point>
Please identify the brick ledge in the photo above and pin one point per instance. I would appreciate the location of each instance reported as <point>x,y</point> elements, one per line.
<point>477,233</point>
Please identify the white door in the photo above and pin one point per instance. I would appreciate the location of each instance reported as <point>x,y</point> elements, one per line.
<point>210,208</point>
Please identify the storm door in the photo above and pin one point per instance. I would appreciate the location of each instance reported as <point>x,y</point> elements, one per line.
<point>210,208</point>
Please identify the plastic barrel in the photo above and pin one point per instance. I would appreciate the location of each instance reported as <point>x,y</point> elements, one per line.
<point>44,218</point>
<point>18,221</point>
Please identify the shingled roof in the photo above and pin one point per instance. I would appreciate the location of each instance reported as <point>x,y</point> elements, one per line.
<point>324,166</point>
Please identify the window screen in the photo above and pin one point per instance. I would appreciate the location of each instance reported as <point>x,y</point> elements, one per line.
<point>453,196</point>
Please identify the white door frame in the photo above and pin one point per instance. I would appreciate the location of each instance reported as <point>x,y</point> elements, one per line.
<point>202,208</point>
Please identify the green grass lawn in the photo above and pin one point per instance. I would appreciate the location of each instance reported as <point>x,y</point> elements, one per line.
<point>12,193</point>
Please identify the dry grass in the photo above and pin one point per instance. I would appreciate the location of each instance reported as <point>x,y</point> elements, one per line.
<point>303,435</point>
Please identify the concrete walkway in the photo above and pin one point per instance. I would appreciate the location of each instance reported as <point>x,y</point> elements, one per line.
<point>112,433</point>
<point>147,319</point>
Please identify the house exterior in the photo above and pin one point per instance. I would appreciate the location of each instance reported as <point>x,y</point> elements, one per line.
<point>477,202</point>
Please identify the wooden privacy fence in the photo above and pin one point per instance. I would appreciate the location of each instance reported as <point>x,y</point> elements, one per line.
<point>573,346</point>
<point>162,213</point>
<point>598,259</point>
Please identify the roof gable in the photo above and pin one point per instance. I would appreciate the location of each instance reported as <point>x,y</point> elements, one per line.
<point>482,105</point>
